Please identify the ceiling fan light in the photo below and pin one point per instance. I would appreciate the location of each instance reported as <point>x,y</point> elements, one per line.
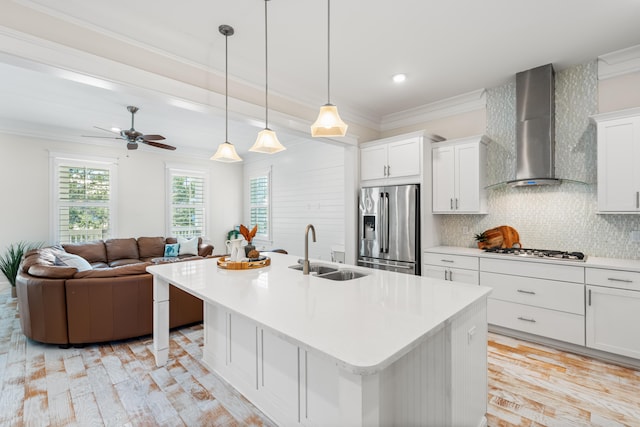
<point>328,123</point>
<point>226,152</point>
<point>267,142</point>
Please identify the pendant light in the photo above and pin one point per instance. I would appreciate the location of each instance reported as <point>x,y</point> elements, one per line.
<point>328,122</point>
<point>226,151</point>
<point>267,141</point>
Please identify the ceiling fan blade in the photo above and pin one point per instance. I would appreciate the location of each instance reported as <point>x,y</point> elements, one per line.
<point>95,136</point>
<point>107,130</point>
<point>158,144</point>
<point>153,137</point>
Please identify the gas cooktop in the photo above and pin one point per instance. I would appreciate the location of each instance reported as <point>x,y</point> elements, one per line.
<point>539,253</point>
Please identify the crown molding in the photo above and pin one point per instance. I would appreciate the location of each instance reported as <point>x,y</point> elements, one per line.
<point>619,63</point>
<point>459,104</point>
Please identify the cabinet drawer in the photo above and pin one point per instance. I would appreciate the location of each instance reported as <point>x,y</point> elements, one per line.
<point>453,274</point>
<point>535,320</point>
<point>541,270</point>
<point>613,278</point>
<point>446,260</point>
<point>551,294</point>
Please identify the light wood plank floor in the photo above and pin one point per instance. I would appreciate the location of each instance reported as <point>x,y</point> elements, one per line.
<point>118,384</point>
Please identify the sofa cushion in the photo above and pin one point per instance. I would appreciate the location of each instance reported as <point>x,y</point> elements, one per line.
<point>123,270</point>
<point>121,249</point>
<point>124,261</point>
<point>151,247</point>
<point>91,251</point>
<point>72,260</point>
<point>188,246</point>
<point>52,271</point>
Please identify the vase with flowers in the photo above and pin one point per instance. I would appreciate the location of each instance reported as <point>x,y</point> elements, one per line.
<point>248,236</point>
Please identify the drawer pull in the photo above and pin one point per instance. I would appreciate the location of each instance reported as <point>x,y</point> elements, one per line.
<point>447,260</point>
<point>445,274</point>
<point>613,279</point>
<point>522,291</point>
<point>526,319</point>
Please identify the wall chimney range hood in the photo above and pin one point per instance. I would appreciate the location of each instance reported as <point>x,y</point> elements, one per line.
<point>535,127</point>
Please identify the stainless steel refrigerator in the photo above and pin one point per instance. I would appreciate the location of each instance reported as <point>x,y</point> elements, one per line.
<point>389,228</point>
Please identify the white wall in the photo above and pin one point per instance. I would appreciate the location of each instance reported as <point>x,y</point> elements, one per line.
<point>308,187</point>
<point>25,178</point>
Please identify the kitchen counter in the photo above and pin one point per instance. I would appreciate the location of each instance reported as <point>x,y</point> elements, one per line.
<point>364,324</point>
<point>346,341</point>
<point>595,262</point>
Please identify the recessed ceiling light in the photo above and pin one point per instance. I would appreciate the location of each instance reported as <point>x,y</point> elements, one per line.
<point>399,78</point>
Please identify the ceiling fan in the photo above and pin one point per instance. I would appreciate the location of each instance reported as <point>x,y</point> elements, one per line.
<point>133,137</point>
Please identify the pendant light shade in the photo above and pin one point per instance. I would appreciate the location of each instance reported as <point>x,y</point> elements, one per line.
<point>267,141</point>
<point>329,122</point>
<point>226,152</point>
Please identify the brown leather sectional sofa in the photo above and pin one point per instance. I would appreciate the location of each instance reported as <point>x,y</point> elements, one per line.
<point>111,301</point>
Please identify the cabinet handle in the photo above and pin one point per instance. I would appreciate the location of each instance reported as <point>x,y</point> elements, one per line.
<point>384,168</point>
<point>589,297</point>
<point>451,203</point>
<point>522,291</point>
<point>526,319</point>
<point>451,275</point>
<point>388,170</point>
<point>613,279</point>
<point>445,274</point>
<point>456,203</point>
<point>447,260</point>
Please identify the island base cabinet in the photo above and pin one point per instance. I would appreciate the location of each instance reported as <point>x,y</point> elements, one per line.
<point>612,319</point>
<point>440,382</point>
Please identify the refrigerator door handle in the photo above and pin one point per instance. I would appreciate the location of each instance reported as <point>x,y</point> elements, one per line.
<point>406,267</point>
<point>382,223</point>
<point>386,225</point>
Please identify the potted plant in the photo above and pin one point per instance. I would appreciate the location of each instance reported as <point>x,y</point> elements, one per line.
<point>10,262</point>
<point>248,236</point>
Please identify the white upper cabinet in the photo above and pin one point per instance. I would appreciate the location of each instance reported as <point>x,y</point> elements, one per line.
<point>391,160</point>
<point>459,175</point>
<point>618,157</point>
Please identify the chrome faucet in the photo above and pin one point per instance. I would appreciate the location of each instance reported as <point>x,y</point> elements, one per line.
<point>305,265</point>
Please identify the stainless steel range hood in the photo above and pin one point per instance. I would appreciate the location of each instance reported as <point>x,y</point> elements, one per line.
<point>535,127</point>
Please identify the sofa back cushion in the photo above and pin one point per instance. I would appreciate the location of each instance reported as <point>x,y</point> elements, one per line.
<point>93,252</point>
<point>121,249</point>
<point>150,247</point>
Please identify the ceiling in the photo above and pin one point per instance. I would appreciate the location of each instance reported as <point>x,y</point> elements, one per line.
<point>446,48</point>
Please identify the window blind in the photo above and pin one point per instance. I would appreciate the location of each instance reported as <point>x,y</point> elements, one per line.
<point>187,215</point>
<point>83,202</point>
<point>259,204</point>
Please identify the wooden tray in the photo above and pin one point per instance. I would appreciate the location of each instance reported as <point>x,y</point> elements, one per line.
<point>223,262</point>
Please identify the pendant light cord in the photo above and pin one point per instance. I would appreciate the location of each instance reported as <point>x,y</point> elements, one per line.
<point>266,70</point>
<point>328,51</point>
<point>226,88</point>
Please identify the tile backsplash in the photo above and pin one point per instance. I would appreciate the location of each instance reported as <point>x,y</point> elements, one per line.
<point>559,217</point>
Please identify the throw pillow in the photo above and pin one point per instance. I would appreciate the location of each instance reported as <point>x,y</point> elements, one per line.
<point>171,250</point>
<point>72,260</point>
<point>188,246</point>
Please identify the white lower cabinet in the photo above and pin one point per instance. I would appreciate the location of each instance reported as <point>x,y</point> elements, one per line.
<point>536,298</point>
<point>455,268</point>
<point>613,311</point>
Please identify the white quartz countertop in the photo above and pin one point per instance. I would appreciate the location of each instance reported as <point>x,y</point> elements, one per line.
<point>364,324</point>
<point>595,262</point>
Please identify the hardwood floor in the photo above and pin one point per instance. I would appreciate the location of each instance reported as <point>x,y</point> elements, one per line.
<point>118,384</point>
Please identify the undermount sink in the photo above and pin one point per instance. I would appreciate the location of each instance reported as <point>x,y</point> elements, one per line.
<point>315,268</point>
<point>342,275</point>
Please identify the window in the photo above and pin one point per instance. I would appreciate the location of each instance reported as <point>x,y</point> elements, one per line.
<point>83,199</point>
<point>259,198</point>
<point>187,194</point>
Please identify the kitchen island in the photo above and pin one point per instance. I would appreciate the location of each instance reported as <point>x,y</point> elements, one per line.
<point>384,349</point>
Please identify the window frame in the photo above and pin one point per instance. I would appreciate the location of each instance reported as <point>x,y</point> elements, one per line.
<point>56,160</point>
<point>265,238</point>
<point>172,170</point>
